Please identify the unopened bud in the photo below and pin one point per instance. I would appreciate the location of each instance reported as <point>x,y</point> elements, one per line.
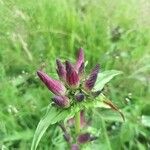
<point>79,97</point>
<point>54,86</point>
<point>90,82</point>
<point>72,77</point>
<point>83,138</point>
<point>61,101</point>
<point>61,70</point>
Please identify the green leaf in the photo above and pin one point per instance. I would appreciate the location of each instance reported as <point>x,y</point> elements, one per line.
<point>105,77</point>
<point>52,116</point>
<point>127,132</point>
<point>55,115</point>
<point>145,120</point>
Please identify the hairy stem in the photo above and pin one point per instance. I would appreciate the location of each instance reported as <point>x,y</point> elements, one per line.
<point>77,122</point>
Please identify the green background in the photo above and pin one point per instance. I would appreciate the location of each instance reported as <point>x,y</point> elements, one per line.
<point>113,33</point>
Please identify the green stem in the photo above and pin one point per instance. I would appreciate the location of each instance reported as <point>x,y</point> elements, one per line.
<point>77,122</point>
<point>105,134</point>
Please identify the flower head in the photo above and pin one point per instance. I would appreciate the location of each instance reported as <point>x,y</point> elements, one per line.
<point>72,84</point>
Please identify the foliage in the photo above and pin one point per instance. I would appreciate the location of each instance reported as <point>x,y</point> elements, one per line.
<point>36,32</point>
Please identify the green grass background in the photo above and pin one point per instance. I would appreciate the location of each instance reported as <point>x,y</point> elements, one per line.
<point>37,32</point>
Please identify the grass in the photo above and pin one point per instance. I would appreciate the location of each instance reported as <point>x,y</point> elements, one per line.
<point>113,33</point>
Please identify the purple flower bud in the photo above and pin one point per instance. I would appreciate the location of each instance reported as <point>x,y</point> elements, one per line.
<point>80,59</point>
<point>72,77</point>
<point>54,86</point>
<point>79,97</point>
<point>74,147</point>
<point>61,101</point>
<point>90,82</point>
<point>61,70</point>
<point>83,138</point>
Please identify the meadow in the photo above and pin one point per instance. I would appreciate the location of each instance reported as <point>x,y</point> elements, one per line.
<point>115,34</point>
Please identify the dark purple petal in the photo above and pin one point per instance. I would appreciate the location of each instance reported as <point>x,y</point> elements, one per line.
<point>83,138</point>
<point>54,86</point>
<point>61,101</point>
<point>79,97</point>
<point>90,82</point>
<point>61,70</point>
<point>72,77</point>
<point>74,147</point>
<point>80,59</point>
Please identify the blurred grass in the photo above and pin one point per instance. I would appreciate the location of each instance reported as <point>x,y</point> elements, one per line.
<point>115,34</point>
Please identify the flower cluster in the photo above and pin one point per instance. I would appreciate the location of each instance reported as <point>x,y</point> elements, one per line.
<point>73,85</point>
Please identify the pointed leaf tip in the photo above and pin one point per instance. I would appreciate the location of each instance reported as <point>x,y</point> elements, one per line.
<point>114,107</point>
<point>104,77</point>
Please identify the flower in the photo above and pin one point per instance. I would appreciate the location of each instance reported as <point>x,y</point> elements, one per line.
<point>90,82</point>
<point>83,138</point>
<point>79,97</point>
<point>72,83</point>
<point>61,70</point>
<point>61,101</point>
<point>54,86</point>
<point>72,77</point>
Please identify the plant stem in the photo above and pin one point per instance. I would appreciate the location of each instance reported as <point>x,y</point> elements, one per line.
<point>77,122</point>
<point>105,134</point>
